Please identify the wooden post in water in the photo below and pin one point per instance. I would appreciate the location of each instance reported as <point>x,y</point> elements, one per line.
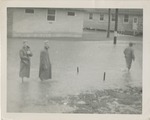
<point>104,76</point>
<point>77,70</point>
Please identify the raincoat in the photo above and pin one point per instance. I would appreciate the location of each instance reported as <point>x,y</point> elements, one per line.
<point>45,65</point>
<point>129,56</point>
<point>25,55</point>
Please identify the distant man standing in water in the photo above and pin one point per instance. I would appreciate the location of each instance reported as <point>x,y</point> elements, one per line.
<point>25,54</point>
<point>45,65</point>
<point>129,55</point>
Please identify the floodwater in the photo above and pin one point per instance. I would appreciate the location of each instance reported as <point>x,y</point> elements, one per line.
<point>93,58</point>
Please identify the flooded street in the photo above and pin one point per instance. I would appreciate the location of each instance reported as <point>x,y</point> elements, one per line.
<point>70,91</point>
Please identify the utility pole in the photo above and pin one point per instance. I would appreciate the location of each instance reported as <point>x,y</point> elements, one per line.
<point>108,30</point>
<point>116,26</point>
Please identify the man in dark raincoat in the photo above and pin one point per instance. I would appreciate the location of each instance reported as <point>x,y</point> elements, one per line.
<point>129,55</point>
<point>45,65</point>
<point>25,54</point>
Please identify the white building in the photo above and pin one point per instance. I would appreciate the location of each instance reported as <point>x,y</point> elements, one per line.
<point>44,22</point>
<point>129,20</point>
<point>65,22</point>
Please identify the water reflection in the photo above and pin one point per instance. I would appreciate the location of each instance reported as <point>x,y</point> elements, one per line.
<point>127,78</point>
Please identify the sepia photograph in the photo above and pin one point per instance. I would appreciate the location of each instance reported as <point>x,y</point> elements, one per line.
<point>74,60</point>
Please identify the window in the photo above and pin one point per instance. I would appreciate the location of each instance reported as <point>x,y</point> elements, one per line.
<point>51,15</point>
<point>101,17</point>
<point>29,10</point>
<point>51,18</point>
<point>113,17</point>
<point>90,16</point>
<point>71,13</point>
<point>126,18</point>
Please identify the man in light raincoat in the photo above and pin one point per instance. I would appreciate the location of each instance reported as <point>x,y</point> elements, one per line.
<point>45,65</point>
<point>129,55</point>
<point>25,54</point>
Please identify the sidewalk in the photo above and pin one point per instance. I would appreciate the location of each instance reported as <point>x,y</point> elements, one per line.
<point>93,36</point>
<point>93,59</point>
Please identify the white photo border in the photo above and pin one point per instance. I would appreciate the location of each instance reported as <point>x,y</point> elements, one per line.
<point>77,4</point>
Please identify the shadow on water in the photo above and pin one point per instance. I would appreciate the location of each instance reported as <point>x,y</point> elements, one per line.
<point>23,94</point>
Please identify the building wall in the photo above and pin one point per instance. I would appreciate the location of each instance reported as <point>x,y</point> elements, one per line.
<point>9,22</point>
<point>95,23</point>
<point>21,24</point>
<point>37,25</point>
<point>140,24</point>
<point>128,27</point>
